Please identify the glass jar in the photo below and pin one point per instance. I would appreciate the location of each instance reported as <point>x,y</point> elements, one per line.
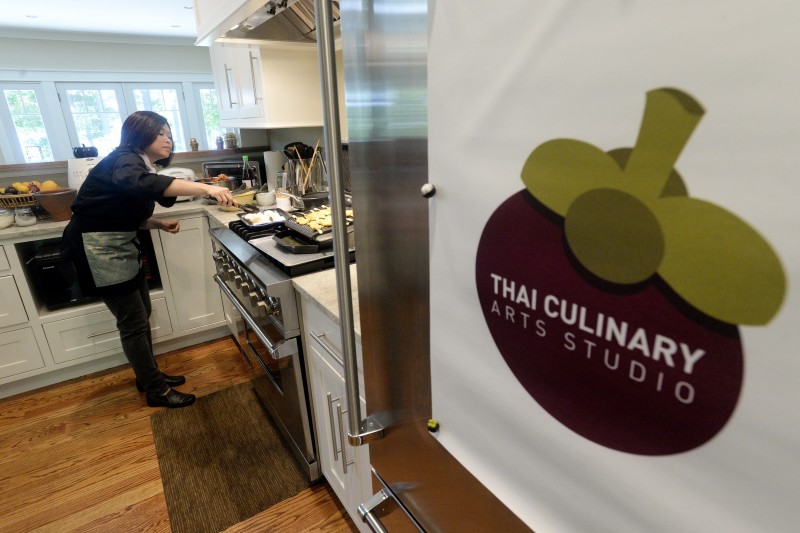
<point>6,218</point>
<point>23,216</point>
<point>230,140</point>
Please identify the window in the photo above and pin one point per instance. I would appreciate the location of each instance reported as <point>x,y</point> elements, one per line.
<point>209,105</point>
<point>23,112</point>
<point>166,100</point>
<point>43,121</point>
<point>96,112</point>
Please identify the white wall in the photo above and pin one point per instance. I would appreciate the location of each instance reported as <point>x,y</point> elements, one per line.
<point>20,58</point>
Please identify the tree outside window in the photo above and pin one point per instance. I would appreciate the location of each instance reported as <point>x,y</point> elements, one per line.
<point>29,125</point>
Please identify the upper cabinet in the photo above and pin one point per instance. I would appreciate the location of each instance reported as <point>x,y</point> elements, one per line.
<point>272,85</point>
<point>263,83</point>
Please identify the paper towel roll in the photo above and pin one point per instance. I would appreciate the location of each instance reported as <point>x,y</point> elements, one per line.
<point>274,162</point>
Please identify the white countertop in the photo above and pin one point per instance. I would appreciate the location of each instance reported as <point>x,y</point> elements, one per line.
<point>319,287</point>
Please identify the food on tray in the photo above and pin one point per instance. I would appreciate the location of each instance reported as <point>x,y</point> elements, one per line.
<point>219,177</point>
<point>319,219</point>
<point>264,217</point>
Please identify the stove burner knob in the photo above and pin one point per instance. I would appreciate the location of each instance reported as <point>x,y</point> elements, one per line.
<point>228,274</point>
<point>253,295</point>
<point>245,286</point>
<point>266,308</point>
<point>237,280</point>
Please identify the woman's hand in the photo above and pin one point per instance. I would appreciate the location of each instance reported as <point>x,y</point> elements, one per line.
<point>171,226</point>
<point>222,195</point>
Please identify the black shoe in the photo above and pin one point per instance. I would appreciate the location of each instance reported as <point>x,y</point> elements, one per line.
<point>172,398</point>
<point>171,381</point>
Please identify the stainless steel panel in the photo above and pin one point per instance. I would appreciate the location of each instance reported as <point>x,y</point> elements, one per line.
<point>385,53</point>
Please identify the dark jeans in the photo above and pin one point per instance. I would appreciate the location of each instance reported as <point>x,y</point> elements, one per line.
<point>132,311</point>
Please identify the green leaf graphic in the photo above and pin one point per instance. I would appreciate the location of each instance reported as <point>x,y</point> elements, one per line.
<point>718,263</point>
<point>628,215</point>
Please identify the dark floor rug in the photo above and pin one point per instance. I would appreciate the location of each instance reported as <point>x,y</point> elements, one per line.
<point>222,461</point>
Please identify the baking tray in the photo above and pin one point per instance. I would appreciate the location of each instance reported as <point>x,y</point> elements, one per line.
<point>323,235</point>
<point>266,225</point>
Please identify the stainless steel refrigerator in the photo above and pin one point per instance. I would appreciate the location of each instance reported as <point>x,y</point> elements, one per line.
<point>526,74</point>
<point>419,484</point>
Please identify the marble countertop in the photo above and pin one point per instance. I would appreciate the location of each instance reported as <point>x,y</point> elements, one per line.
<point>320,287</point>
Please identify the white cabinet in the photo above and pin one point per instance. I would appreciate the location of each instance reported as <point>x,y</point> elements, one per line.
<point>346,467</point>
<point>94,335</point>
<point>19,352</point>
<point>271,86</point>
<point>190,270</point>
<point>12,311</point>
<point>237,76</point>
<point>3,260</point>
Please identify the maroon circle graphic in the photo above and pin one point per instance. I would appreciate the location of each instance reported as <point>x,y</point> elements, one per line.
<point>630,368</point>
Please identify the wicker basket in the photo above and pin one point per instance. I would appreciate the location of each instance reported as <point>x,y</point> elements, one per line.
<point>11,201</point>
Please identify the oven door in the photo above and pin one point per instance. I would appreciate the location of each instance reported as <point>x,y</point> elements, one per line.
<point>283,390</point>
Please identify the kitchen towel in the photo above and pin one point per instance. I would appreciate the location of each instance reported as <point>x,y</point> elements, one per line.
<point>222,461</point>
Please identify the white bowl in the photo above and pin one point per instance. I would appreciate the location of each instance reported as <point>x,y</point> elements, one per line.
<point>265,199</point>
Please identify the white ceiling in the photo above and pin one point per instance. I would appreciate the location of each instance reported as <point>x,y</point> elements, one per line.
<point>159,18</point>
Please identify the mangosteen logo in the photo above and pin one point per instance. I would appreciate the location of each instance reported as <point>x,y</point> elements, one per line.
<point>615,298</point>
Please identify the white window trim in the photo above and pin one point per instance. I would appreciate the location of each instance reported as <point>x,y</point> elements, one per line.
<point>56,123</point>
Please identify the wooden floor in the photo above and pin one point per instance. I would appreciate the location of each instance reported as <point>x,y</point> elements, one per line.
<point>79,455</point>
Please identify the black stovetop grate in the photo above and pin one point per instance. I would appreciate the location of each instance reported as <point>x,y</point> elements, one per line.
<point>248,232</point>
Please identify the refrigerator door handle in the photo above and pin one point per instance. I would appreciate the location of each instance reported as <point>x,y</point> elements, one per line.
<point>367,511</point>
<point>360,431</point>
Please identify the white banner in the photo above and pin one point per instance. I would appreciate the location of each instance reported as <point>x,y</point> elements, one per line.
<point>614,259</point>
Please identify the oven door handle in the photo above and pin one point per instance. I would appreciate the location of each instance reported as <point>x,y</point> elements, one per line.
<point>277,350</point>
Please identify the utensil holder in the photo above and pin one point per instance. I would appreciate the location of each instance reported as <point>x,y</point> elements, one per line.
<point>306,175</point>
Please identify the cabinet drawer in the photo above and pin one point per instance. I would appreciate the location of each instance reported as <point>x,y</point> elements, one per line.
<point>3,260</point>
<point>19,352</point>
<point>319,324</point>
<point>11,309</point>
<point>95,334</point>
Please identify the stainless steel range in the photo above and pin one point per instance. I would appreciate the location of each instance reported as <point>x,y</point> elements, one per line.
<point>255,274</point>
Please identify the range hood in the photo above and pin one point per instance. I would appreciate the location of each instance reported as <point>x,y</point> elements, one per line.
<point>282,20</point>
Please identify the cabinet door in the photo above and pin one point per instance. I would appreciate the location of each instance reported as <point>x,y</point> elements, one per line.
<point>346,467</point>
<point>190,270</point>
<point>3,260</point>
<point>19,352</point>
<point>327,386</point>
<point>12,311</point>
<point>223,66</point>
<point>95,334</point>
<point>248,68</point>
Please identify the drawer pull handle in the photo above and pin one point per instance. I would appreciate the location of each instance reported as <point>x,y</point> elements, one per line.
<point>323,341</point>
<point>336,451</point>
<point>340,413</point>
<point>102,333</point>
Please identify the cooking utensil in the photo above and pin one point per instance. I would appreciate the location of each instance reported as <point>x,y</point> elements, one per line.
<point>294,244</point>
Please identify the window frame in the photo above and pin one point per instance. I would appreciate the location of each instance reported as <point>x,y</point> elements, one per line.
<point>9,142</point>
<point>57,124</point>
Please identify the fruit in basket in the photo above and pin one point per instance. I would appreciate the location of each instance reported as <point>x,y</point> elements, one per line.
<point>49,185</point>
<point>11,190</point>
<point>22,188</point>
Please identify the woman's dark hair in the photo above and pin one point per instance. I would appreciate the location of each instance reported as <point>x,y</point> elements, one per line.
<point>139,131</point>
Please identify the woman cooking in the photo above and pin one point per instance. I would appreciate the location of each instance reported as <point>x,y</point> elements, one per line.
<point>115,201</point>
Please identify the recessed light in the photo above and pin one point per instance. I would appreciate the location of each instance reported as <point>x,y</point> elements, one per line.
<point>31,16</point>
<point>176,26</point>
<point>188,7</point>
